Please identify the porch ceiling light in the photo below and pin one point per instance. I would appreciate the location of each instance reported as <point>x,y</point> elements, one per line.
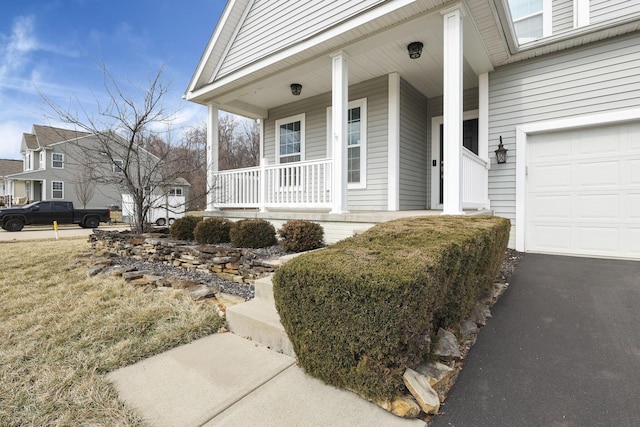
<point>415,49</point>
<point>501,153</point>
<point>296,89</point>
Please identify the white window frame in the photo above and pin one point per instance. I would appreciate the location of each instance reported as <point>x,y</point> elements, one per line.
<point>43,160</point>
<point>547,21</point>
<point>176,192</point>
<point>284,121</point>
<point>117,166</point>
<point>54,161</point>
<point>53,190</point>
<point>28,161</point>
<point>362,103</point>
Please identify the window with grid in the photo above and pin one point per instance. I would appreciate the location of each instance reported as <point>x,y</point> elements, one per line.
<point>57,190</point>
<point>356,142</point>
<point>118,166</point>
<point>528,19</point>
<point>175,191</point>
<point>290,146</point>
<point>57,160</point>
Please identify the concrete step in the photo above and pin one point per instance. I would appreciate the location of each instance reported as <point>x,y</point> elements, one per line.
<point>264,289</point>
<point>259,321</point>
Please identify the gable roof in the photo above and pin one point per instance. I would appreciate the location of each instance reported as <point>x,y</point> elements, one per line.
<point>43,136</point>
<point>9,167</point>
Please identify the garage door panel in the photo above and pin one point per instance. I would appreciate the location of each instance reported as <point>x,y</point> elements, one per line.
<point>583,192</point>
<point>556,207</point>
<point>597,174</point>
<point>598,206</point>
<point>602,239</point>
<point>553,177</point>
<point>551,238</point>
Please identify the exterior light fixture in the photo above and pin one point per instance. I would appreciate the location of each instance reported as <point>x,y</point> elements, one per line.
<point>501,153</point>
<point>296,89</point>
<point>415,49</point>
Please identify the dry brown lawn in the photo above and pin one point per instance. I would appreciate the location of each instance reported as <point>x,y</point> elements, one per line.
<point>60,332</point>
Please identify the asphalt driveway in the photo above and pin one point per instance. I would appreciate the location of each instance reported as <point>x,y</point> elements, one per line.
<point>562,349</point>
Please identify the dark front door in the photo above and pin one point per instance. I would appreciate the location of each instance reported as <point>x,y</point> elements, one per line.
<point>469,141</point>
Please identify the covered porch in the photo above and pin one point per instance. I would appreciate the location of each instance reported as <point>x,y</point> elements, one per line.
<point>352,120</point>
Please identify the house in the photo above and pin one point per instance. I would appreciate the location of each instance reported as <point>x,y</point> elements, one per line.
<point>84,168</point>
<point>377,108</point>
<point>9,167</point>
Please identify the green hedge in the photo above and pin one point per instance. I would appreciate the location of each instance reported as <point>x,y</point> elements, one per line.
<point>361,311</point>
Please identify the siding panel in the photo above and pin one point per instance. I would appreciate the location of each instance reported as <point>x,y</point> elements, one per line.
<point>253,42</point>
<point>605,10</point>
<point>562,13</point>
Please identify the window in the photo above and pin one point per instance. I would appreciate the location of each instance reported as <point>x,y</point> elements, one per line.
<point>176,191</point>
<point>118,166</point>
<point>290,139</point>
<point>43,160</point>
<point>27,161</point>
<point>356,142</point>
<point>529,19</point>
<point>57,190</point>
<point>57,160</point>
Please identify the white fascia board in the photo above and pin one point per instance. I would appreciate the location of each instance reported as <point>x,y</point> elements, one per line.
<point>215,37</point>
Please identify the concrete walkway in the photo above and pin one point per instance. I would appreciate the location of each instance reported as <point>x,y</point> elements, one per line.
<point>226,380</point>
<point>562,349</point>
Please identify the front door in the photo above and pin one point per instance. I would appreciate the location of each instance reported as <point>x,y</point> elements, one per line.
<point>469,141</point>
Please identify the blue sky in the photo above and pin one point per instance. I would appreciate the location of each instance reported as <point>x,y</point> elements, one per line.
<point>54,46</point>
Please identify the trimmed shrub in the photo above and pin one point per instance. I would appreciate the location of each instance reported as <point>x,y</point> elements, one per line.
<point>253,233</point>
<point>212,231</point>
<point>299,236</point>
<point>182,228</point>
<point>360,312</point>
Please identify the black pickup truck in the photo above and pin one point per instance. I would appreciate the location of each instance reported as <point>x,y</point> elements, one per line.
<point>45,212</point>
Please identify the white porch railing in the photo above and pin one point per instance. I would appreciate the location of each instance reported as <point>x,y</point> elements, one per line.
<point>475,181</point>
<point>295,185</point>
<point>308,185</point>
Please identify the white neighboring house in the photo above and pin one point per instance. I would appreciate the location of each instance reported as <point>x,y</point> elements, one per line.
<point>8,188</point>
<point>399,106</point>
<point>166,208</point>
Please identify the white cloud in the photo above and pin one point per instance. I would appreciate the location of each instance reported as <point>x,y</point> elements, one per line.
<point>11,138</point>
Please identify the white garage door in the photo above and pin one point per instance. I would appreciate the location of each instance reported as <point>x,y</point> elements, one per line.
<point>583,192</point>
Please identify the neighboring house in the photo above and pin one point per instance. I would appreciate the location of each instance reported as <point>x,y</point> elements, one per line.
<point>62,164</point>
<point>400,105</point>
<point>8,188</point>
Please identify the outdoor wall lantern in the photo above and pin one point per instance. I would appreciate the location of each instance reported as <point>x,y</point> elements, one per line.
<point>415,50</point>
<point>501,153</point>
<point>296,89</point>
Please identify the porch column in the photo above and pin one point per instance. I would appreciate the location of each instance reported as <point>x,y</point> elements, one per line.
<point>340,101</point>
<point>212,156</point>
<point>453,115</point>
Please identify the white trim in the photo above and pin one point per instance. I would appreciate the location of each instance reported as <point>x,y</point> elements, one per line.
<point>581,13</point>
<point>524,130</point>
<point>547,18</point>
<point>362,103</point>
<point>483,117</point>
<point>212,154</point>
<point>393,149</point>
<point>339,102</point>
<point>435,153</point>
<point>291,119</point>
<point>61,161</point>
<point>52,190</point>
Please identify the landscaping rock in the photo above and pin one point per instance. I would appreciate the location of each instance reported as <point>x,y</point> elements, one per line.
<point>93,271</point>
<point>435,372</point>
<point>420,388</point>
<point>201,292</point>
<point>468,328</point>
<point>447,346</point>
<point>480,314</point>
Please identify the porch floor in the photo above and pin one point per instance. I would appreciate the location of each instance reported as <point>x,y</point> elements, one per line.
<point>336,226</point>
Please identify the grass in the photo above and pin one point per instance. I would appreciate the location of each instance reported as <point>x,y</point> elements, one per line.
<point>60,332</point>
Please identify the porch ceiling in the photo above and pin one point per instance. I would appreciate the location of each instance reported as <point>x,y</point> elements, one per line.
<point>371,56</point>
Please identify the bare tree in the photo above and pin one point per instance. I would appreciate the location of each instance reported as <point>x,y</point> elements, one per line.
<point>85,186</point>
<point>125,131</point>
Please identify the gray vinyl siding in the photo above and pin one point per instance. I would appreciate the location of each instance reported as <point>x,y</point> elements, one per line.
<point>596,78</point>
<point>562,16</point>
<point>435,109</point>
<point>284,28</point>
<point>605,10</point>
<point>413,148</point>
<point>374,196</point>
